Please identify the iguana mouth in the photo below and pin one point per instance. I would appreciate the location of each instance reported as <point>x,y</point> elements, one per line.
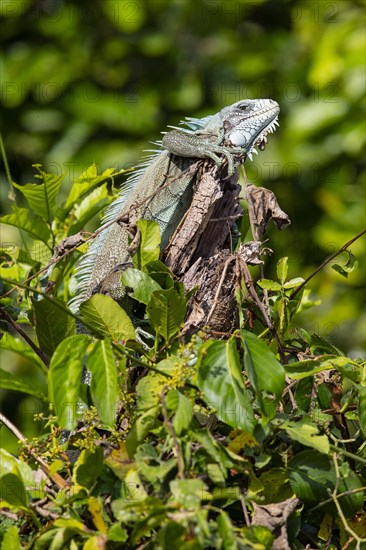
<point>262,140</point>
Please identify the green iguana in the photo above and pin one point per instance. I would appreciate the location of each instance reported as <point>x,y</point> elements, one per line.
<point>161,189</point>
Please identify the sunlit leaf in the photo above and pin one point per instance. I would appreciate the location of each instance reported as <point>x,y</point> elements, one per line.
<point>177,402</point>
<point>106,318</point>
<point>64,378</point>
<point>12,488</point>
<point>265,372</point>
<point>11,539</point>
<point>282,269</point>
<point>143,285</point>
<point>267,284</point>
<point>307,433</point>
<point>166,311</point>
<point>101,364</point>
<point>149,249</point>
<point>41,197</point>
<point>88,467</point>
<point>222,383</point>
<point>32,224</point>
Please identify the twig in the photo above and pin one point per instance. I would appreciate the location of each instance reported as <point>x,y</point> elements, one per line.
<point>344,494</point>
<point>170,429</point>
<point>291,395</point>
<point>253,293</point>
<point>254,231</point>
<point>6,164</point>
<point>24,335</point>
<point>217,294</point>
<point>56,478</point>
<point>335,498</point>
<point>347,453</point>
<point>326,261</point>
<point>245,511</point>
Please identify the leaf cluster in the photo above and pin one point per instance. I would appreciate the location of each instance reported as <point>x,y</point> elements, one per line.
<point>178,441</point>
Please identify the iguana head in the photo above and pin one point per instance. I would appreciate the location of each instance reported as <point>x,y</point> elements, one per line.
<point>246,123</point>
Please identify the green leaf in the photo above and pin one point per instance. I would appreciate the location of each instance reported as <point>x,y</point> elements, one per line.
<point>84,183</point>
<point>11,343</point>
<point>12,488</point>
<point>226,531</point>
<point>265,372</point>
<point>142,426</point>
<point>348,267</point>
<point>258,536</point>
<point>267,284</point>
<point>320,345</point>
<point>119,461</point>
<point>303,394</point>
<point>64,378</point>
<point>221,381</point>
<point>102,366</point>
<point>41,197</point>
<point>151,466</point>
<point>10,382</point>
<point>302,369</point>
<point>149,249</point>
<point>32,224</point>
<point>362,407</point>
<point>179,403</point>
<point>53,323</point>
<point>117,534</point>
<point>143,285</point>
<point>307,433</point>
<point>293,283</point>
<point>282,269</point>
<point>89,207</point>
<point>171,531</point>
<point>312,476</point>
<point>72,525</point>
<point>166,311</point>
<point>88,467</point>
<point>105,317</point>
<point>276,486</point>
<point>339,269</point>
<point>11,539</point>
<point>189,492</point>
<point>160,273</point>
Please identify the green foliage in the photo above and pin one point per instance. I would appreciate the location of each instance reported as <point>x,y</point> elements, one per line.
<point>176,438</point>
<point>179,440</point>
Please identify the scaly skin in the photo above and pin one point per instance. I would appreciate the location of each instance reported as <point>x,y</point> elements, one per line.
<point>162,189</point>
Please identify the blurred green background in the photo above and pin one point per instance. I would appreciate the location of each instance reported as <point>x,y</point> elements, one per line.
<point>85,82</point>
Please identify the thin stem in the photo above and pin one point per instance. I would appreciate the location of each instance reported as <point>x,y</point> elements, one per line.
<point>24,335</point>
<point>326,261</point>
<point>252,292</point>
<point>347,453</point>
<point>245,511</point>
<point>345,494</point>
<point>6,164</point>
<point>56,478</point>
<point>335,498</point>
<point>254,232</point>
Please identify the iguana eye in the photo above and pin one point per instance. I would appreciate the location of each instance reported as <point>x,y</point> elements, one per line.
<point>243,107</point>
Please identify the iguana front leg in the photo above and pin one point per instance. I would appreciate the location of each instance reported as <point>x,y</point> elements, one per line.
<point>200,145</point>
